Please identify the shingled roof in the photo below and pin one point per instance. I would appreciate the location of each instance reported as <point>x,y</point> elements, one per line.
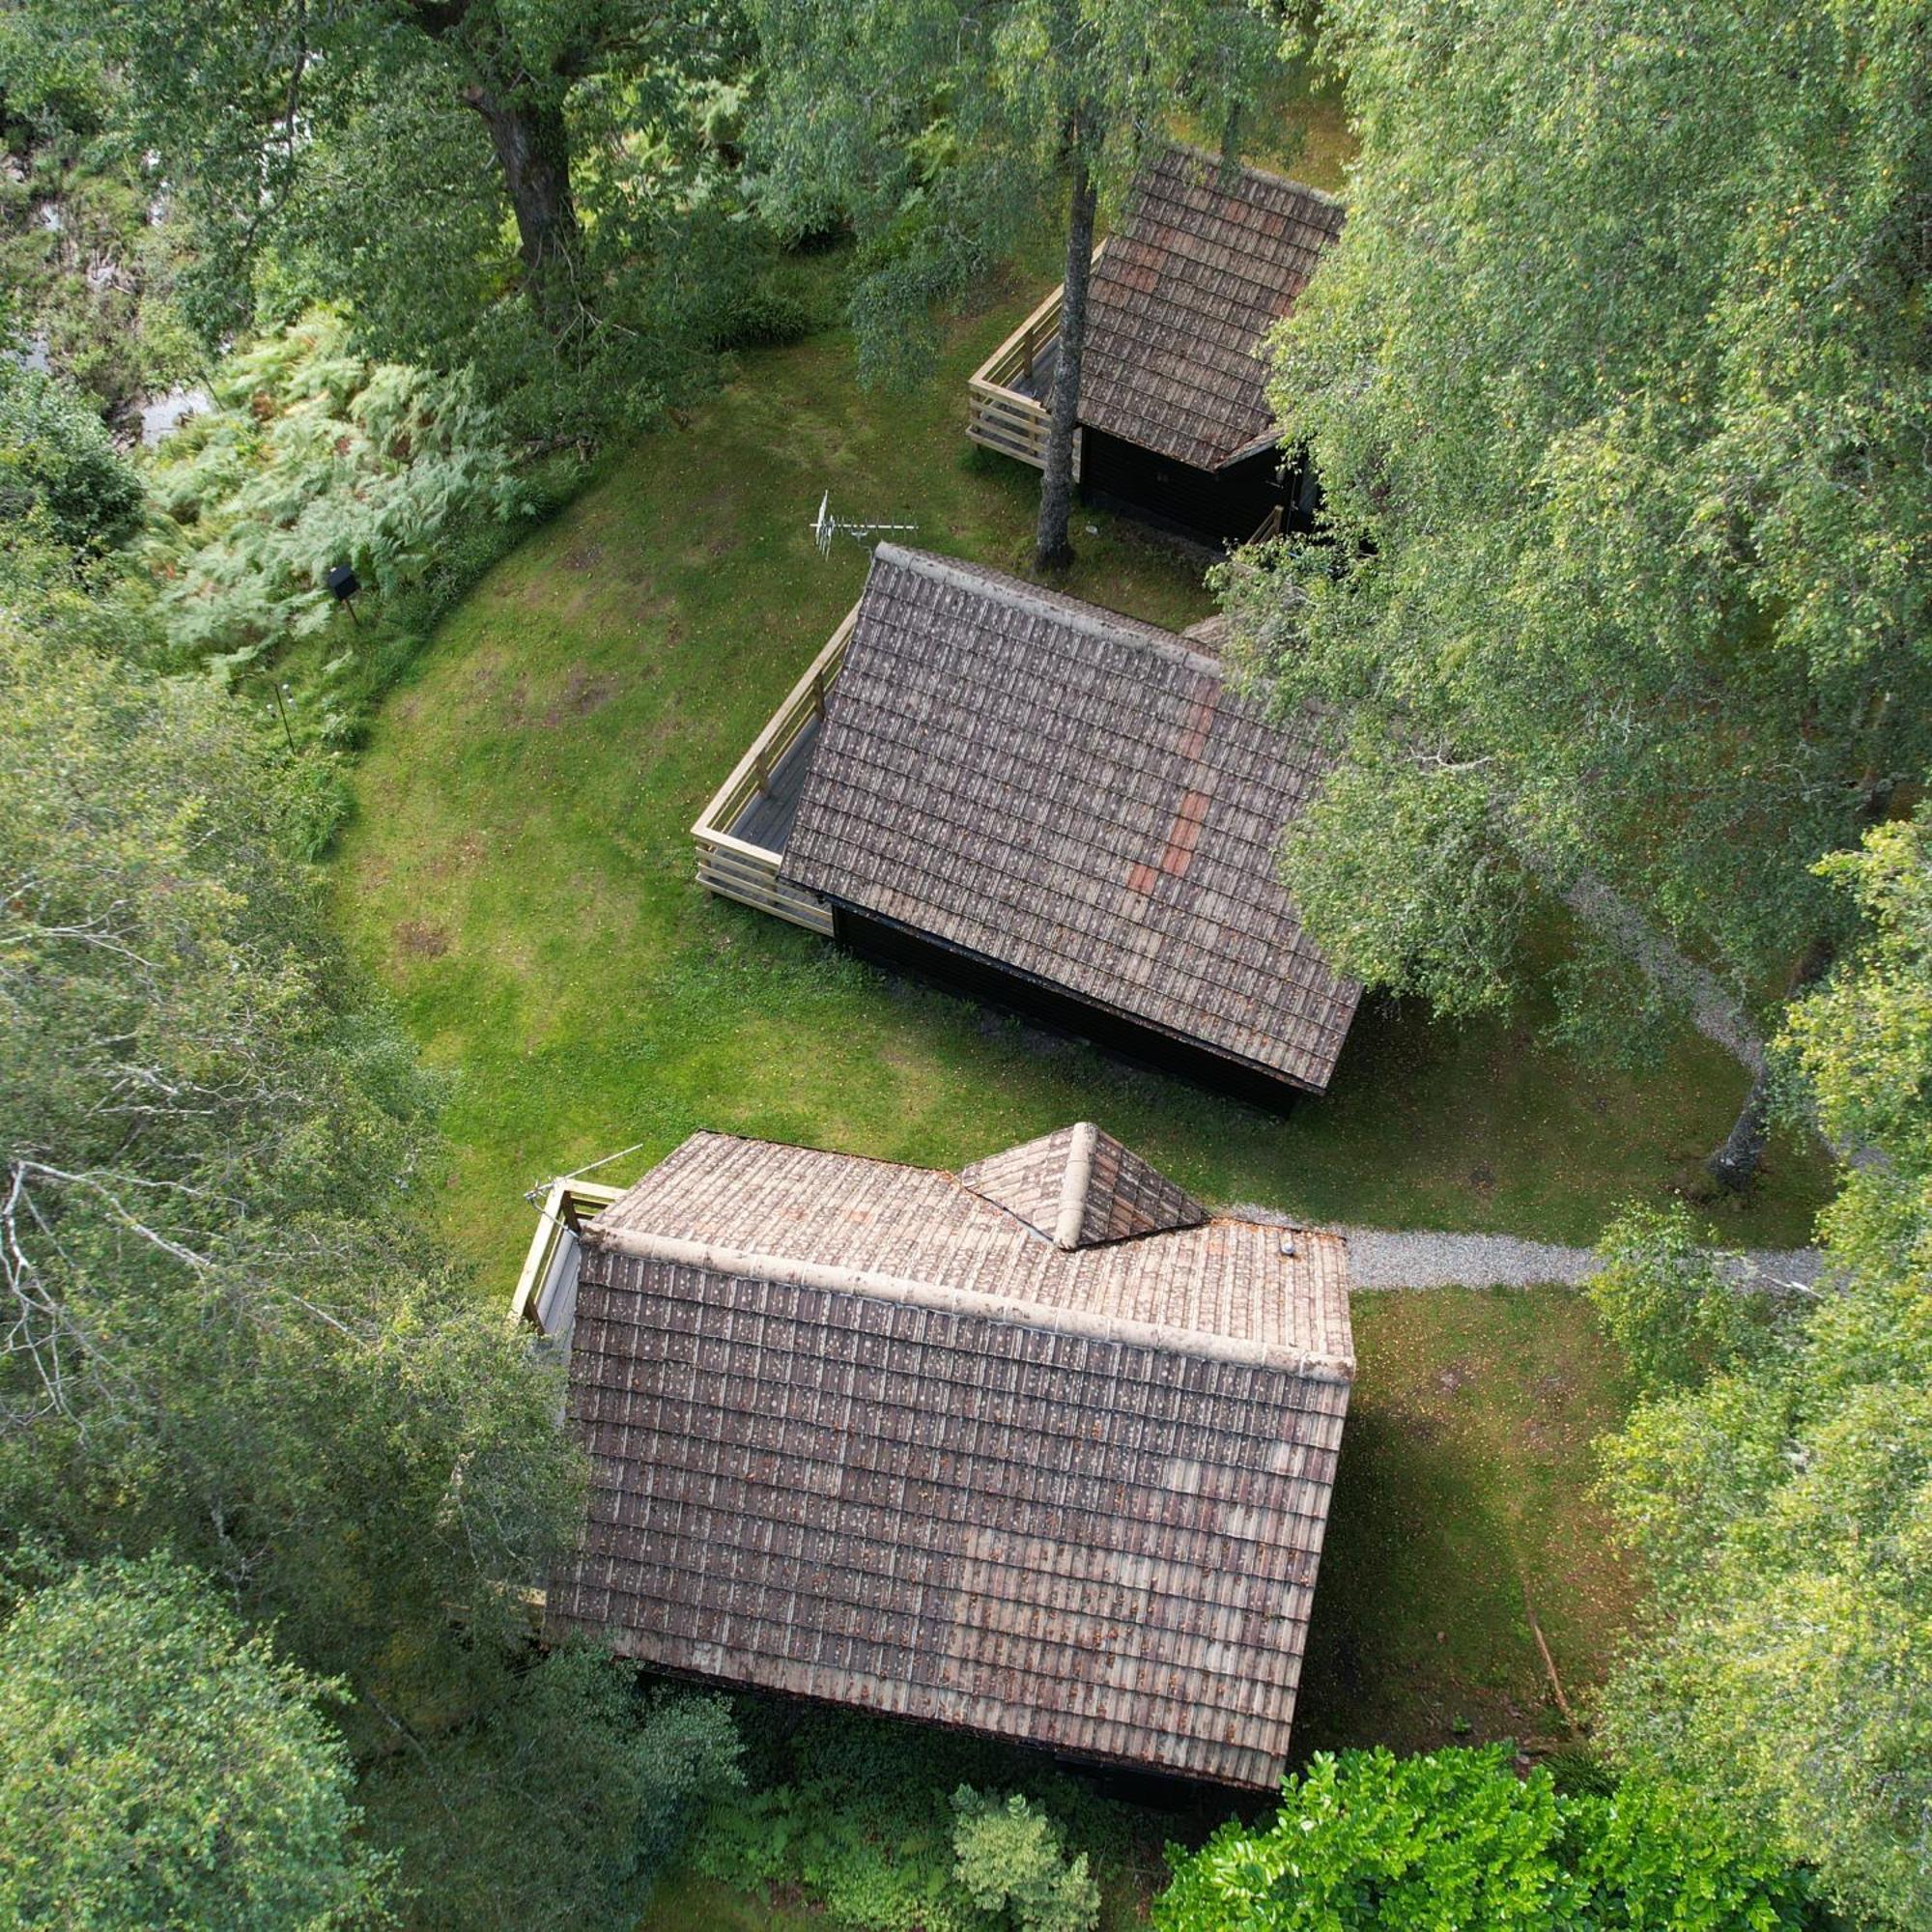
<point>1075,797</point>
<point>860,1432</point>
<point>1196,275</point>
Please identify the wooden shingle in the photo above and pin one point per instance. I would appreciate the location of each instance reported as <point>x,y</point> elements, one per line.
<point>859,1432</point>
<point>1200,270</point>
<point>1075,797</point>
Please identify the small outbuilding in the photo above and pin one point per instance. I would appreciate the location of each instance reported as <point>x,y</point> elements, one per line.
<point>1049,804</point>
<point>1175,422</point>
<point>1042,1449</point>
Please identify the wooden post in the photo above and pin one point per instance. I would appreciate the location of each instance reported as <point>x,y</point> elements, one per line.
<point>818,691</point>
<point>569,1210</point>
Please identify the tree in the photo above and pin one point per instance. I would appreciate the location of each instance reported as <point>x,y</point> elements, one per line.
<point>1620,593</point>
<point>377,152</point>
<point>226,1332</point>
<point>1780,1507</point>
<point>159,1766</point>
<point>1369,1843</point>
<point>942,125</point>
<point>59,465</point>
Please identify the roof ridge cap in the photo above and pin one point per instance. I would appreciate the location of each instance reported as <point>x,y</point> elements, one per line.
<point>1260,173</point>
<point>1096,619</point>
<point>1202,1344</point>
<point>1075,1184</point>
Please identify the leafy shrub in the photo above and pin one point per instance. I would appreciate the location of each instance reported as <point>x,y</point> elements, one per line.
<point>764,316</point>
<point>861,1814</point>
<point>59,466</point>
<point>1008,1857</point>
<point>1369,1843</point>
<point>314,457</point>
<point>158,1767</point>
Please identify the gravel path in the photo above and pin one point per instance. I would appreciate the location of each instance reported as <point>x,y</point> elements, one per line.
<point>1382,1258</point>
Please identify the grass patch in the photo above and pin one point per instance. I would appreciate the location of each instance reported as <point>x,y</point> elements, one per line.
<point>519,873</point>
<point>1463,1502</point>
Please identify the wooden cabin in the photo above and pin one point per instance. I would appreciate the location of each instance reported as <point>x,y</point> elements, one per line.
<point>1042,1449</point>
<point>1175,422</point>
<point>1048,805</point>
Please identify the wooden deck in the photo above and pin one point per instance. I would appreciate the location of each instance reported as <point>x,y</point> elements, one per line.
<point>1008,395</point>
<point>740,834</point>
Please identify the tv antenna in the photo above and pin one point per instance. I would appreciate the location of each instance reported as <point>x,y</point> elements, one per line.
<point>825,527</point>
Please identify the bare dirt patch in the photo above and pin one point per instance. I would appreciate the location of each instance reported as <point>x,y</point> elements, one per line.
<point>583,693</point>
<point>421,941</point>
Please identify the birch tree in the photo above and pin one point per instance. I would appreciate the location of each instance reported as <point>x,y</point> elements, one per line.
<point>948,129</point>
<point>1621,398</point>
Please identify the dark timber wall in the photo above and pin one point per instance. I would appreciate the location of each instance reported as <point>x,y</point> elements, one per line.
<point>891,943</point>
<point>1212,506</point>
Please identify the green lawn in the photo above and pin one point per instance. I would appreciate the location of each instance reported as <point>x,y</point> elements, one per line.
<point>520,873</point>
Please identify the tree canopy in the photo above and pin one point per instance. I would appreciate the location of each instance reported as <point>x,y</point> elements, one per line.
<point>1617,386</point>
<point>1781,1502</point>
<point>159,1766</point>
<point>522,187</point>
<point>227,1332</point>
<point>944,129</point>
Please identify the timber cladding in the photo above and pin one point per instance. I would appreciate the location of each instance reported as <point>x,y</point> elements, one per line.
<point>1076,797</point>
<point>861,1432</point>
<point>1202,267</point>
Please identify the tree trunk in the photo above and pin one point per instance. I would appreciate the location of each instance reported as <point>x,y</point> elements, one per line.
<point>1052,552</point>
<point>1735,1164</point>
<point>532,145</point>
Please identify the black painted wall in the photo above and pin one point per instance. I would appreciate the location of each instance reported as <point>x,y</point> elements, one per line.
<point>891,943</point>
<point>1215,507</point>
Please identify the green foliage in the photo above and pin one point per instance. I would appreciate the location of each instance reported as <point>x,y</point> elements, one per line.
<point>229,1333</point>
<point>58,464</point>
<point>1781,1511</point>
<point>938,130</point>
<point>1453,1837</point>
<point>877,1820</point>
<point>1008,1857</point>
<point>315,456</point>
<point>86,249</point>
<point>523,188</point>
<point>158,1767</point>
<point>1621,437</point>
<point>581,1789</point>
<point>1670,1303</point>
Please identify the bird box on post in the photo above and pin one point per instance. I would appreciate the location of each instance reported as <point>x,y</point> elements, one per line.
<point>343,585</point>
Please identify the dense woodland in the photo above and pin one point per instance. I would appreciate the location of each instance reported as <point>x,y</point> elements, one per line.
<point>1619,386</point>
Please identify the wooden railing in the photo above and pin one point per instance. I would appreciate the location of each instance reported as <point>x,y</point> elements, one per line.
<point>1000,414</point>
<point>567,1206</point>
<point>735,868</point>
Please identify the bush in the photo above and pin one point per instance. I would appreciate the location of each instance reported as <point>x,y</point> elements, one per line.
<point>1369,1843</point>
<point>862,1814</point>
<point>1008,1856</point>
<point>59,467</point>
<point>159,1768</point>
